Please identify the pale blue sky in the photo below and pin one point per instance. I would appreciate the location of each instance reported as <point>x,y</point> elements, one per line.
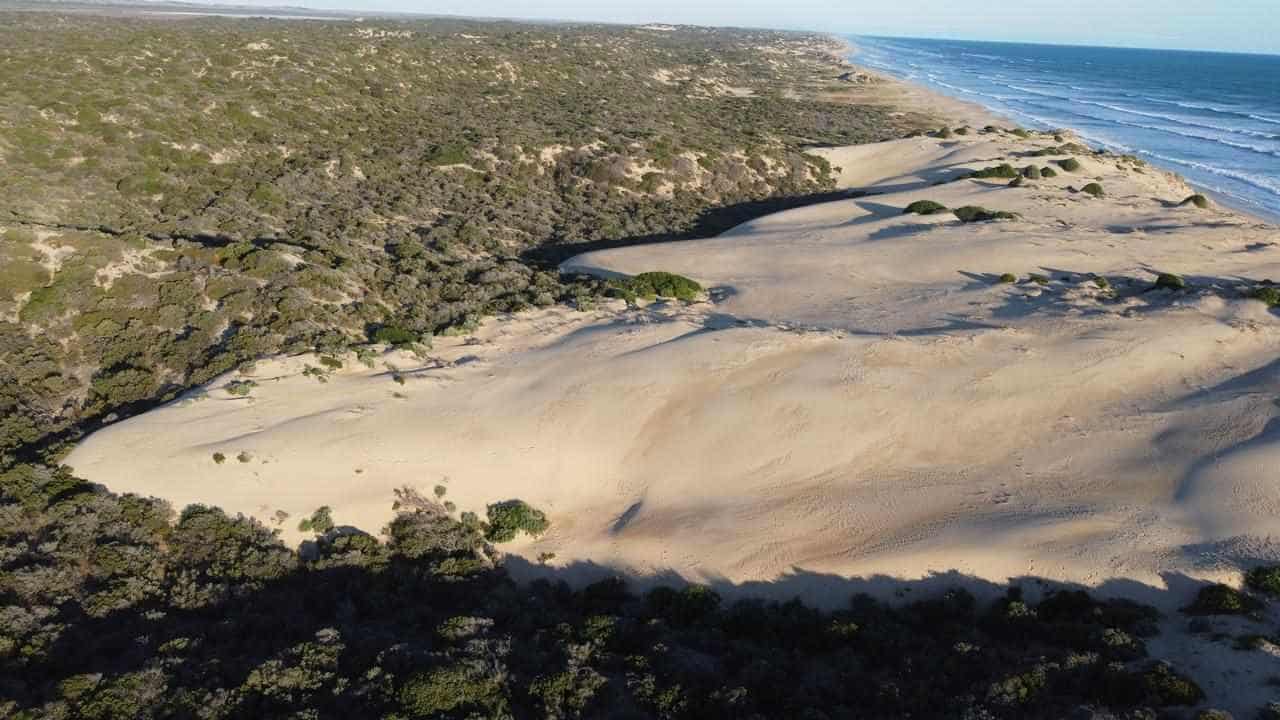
<point>1237,25</point>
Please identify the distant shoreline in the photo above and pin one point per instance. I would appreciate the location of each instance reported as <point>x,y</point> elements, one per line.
<point>946,100</point>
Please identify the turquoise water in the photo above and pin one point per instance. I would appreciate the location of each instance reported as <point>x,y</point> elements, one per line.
<point>1212,117</point>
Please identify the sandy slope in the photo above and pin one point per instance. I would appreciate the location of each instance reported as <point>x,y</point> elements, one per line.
<point>858,396</point>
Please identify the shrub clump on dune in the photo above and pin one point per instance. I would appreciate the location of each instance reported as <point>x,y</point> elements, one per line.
<point>1264,579</point>
<point>394,336</point>
<point>510,517</point>
<point>1093,189</point>
<point>1048,172</point>
<point>1270,296</point>
<point>1169,281</point>
<point>1008,278</point>
<point>974,213</point>
<point>650,285</point>
<point>1070,164</point>
<point>1004,170</point>
<point>1198,200</point>
<point>1222,600</point>
<point>1031,172</point>
<point>240,388</point>
<point>924,207</point>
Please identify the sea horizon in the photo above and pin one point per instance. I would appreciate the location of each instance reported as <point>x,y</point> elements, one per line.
<point>1211,116</point>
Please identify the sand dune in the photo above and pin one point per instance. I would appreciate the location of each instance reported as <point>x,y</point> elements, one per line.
<point>858,395</point>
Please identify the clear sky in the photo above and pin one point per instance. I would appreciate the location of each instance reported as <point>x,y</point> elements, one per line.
<point>1234,25</point>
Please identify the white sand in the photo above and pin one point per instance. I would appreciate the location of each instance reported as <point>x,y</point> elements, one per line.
<point>859,397</point>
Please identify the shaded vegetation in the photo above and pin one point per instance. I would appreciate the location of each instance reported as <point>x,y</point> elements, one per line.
<point>974,213</point>
<point>924,207</point>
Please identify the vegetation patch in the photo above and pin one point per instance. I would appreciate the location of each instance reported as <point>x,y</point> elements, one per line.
<point>508,518</point>
<point>1169,281</point>
<point>1069,164</point>
<point>1093,189</point>
<point>1264,579</point>
<point>1008,278</point>
<point>1198,200</point>
<point>1267,294</point>
<point>924,207</point>
<point>1222,600</point>
<point>974,213</point>
<point>650,285</point>
<point>1003,171</point>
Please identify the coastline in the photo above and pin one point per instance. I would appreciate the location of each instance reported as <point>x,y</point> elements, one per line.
<point>952,106</point>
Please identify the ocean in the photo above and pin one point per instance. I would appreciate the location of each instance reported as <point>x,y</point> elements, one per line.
<point>1212,117</point>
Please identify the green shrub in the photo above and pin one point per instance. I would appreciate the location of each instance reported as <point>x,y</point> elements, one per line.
<point>974,213</point>
<point>440,491</point>
<point>650,285</point>
<point>1102,282</point>
<point>240,388</point>
<point>332,363</point>
<point>1170,688</point>
<point>1004,170</point>
<point>1169,281</point>
<point>427,694</point>
<point>219,458</point>
<point>1070,164</point>
<point>508,518</point>
<point>395,336</point>
<point>244,456</point>
<point>1264,579</point>
<point>1008,278</point>
<point>1038,279</point>
<point>1093,189</point>
<point>1268,295</point>
<point>1221,600</point>
<point>962,130</point>
<point>320,522</point>
<point>1031,172</point>
<point>1198,200</point>
<point>1020,133</point>
<point>924,207</point>
<point>1048,172</point>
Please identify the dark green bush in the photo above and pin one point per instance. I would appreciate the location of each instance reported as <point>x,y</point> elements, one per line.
<point>1008,278</point>
<point>1264,579</point>
<point>1169,281</point>
<point>1031,172</point>
<point>1093,189</point>
<point>1048,172</point>
<point>396,336</point>
<point>1167,687</point>
<point>1038,279</point>
<point>1004,171</point>
<point>320,522</point>
<point>219,458</point>
<point>974,213</point>
<point>1267,294</point>
<point>508,518</point>
<point>1198,200</point>
<point>1221,600</point>
<point>925,207</point>
<point>1070,164</point>
<point>650,285</point>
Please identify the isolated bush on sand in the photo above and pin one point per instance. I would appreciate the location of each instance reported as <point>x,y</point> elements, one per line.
<point>1270,296</point>
<point>1008,278</point>
<point>508,518</point>
<point>1222,600</point>
<point>1265,578</point>
<point>1169,281</point>
<point>1031,172</point>
<point>1093,189</point>
<point>1198,200</point>
<point>1070,164</point>
<point>650,285</point>
<point>1004,170</point>
<point>1048,172</point>
<point>924,207</point>
<point>974,213</point>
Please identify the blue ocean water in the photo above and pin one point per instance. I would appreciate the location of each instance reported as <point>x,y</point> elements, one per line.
<point>1212,117</point>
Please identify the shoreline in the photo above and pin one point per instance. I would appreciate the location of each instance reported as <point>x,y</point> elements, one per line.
<point>945,100</point>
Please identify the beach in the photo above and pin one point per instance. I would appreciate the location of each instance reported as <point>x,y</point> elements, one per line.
<point>861,393</point>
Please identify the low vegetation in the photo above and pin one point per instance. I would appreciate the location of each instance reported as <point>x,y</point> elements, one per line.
<point>1264,579</point>
<point>208,615</point>
<point>1008,278</point>
<point>1169,281</point>
<point>1267,294</point>
<point>650,285</point>
<point>974,213</point>
<point>508,519</point>
<point>1004,171</point>
<point>1070,164</point>
<point>924,207</point>
<point>1222,600</point>
<point>1093,189</point>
